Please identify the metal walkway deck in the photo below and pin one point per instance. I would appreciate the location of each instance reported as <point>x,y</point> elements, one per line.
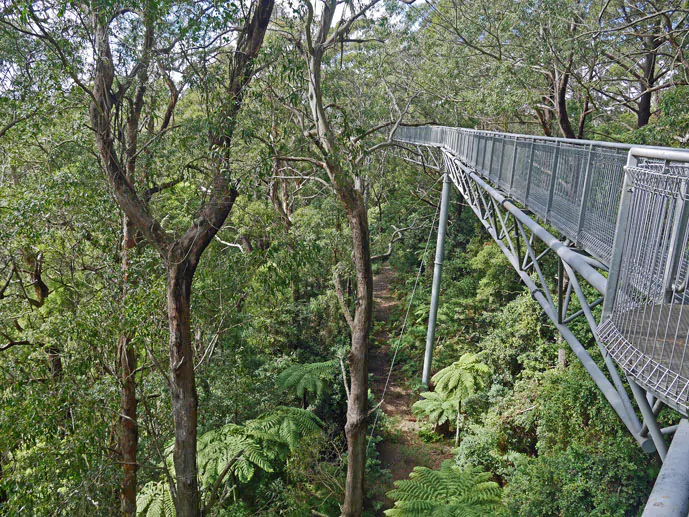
<point>616,219</point>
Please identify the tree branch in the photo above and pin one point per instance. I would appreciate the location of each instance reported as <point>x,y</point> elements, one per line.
<point>344,376</point>
<point>396,236</point>
<point>340,298</point>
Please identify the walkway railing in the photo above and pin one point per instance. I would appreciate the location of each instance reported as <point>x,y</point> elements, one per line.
<point>573,185</point>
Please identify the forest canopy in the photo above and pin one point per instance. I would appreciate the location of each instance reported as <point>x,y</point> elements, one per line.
<point>211,248</point>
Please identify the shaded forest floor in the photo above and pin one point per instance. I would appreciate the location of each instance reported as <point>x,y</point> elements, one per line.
<point>402,449</point>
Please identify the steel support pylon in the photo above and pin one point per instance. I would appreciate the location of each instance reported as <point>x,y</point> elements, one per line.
<point>437,274</point>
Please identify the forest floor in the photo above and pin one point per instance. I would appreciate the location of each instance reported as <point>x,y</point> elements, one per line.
<point>402,449</point>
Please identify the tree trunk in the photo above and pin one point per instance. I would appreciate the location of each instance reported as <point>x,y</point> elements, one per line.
<point>129,427</point>
<point>582,119</point>
<point>562,357</point>
<point>3,492</point>
<point>459,407</point>
<point>180,273</point>
<point>357,404</point>
<point>643,114</point>
<point>562,115</point>
<point>54,362</point>
<point>126,356</point>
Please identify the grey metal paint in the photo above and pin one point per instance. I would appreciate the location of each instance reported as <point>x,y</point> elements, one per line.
<point>670,495</point>
<point>437,273</point>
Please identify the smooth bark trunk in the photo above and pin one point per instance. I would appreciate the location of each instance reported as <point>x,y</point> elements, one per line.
<point>562,115</point>
<point>459,408</point>
<point>357,405</point>
<point>126,356</point>
<point>129,427</point>
<point>643,114</point>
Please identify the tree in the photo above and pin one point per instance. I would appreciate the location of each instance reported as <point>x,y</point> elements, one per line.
<point>341,154</point>
<point>437,406</point>
<point>307,378</point>
<point>447,491</point>
<point>109,90</point>
<point>460,380</point>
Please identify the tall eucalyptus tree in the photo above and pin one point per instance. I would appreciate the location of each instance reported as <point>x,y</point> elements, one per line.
<point>109,50</point>
<point>339,129</point>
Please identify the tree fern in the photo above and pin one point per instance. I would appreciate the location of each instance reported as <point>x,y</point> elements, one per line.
<point>437,407</point>
<point>155,500</point>
<point>235,449</point>
<point>307,378</point>
<point>461,380</point>
<point>449,491</point>
<point>285,425</point>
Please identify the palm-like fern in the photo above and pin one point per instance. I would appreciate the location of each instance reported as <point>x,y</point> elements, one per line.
<point>307,378</point>
<point>155,500</point>
<point>461,380</point>
<point>449,491</point>
<point>231,448</point>
<point>235,450</point>
<point>286,425</point>
<point>437,407</point>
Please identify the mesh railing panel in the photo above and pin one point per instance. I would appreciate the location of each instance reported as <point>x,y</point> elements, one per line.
<point>520,175</point>
<point>565,207</point>
<point>581,201</point>
<point>506,164</point>
<point>648,329</point>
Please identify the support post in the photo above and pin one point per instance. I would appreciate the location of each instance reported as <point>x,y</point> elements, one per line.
<point>670,495</point>
<point>437,272</point>
<point>618,241</point>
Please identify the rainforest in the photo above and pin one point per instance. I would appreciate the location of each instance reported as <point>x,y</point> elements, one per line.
<point>217,256</point>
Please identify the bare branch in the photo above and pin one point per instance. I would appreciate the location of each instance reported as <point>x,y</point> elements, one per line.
<point>344,376</point>
<point>396,236</point>
<point>340,298</point>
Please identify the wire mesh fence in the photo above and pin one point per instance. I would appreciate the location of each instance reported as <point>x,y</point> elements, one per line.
<point>647,331</point>
<point>574,186</point>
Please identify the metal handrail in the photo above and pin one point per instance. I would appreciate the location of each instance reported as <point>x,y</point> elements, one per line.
<point>573,185</point>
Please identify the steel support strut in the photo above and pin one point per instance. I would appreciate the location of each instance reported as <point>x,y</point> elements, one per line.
<point>669,495</point>
<point>476,190</point>
<point>437,273</point>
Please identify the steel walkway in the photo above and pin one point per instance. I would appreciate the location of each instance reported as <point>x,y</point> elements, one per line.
<point>616,219</point>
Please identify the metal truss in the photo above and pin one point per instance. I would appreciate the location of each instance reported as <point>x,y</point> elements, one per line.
<point>571,295</point>
<point>428,157</point>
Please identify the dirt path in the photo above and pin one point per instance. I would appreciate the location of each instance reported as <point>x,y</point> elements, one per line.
<point>402,450</point>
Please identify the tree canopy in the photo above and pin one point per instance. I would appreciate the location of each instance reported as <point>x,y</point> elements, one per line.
<point>196,200</point>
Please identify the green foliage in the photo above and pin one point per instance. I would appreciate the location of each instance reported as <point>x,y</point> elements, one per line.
<point>462,378</point>
<point>309,377</point>
<point>600,478</point>
<point>155,500</point>
<point>449,491</point>
<point>438,407</point>
<point>236,452</point>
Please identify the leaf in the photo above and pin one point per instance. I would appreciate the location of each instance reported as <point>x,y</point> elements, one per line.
<point>448,491</point>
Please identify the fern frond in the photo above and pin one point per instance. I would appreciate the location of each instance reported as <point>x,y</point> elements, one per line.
<point>436,406</point>
<point>448,491</point>
<point>155,500</point>
<point>462,378</point>
<point>286,425</point>
<point>308,377</point>
<point>240,449</point>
